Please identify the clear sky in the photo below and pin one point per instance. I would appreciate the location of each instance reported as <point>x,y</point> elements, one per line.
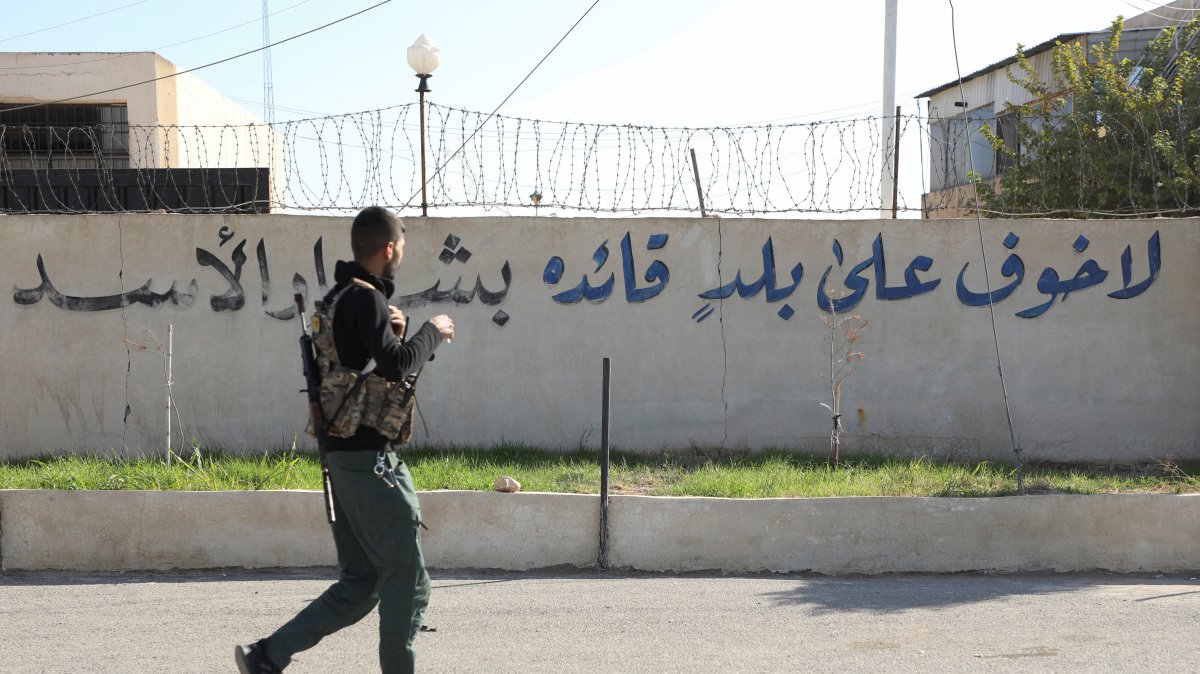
<point>657,62</point>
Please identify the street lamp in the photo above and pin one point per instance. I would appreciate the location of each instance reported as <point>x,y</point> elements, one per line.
<point>424,57</point>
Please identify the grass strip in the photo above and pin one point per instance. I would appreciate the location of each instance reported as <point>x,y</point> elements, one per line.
<point>690,473</point>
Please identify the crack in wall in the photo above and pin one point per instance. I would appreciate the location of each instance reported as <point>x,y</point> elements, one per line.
<point>125,327</point>
<point>721,320</point>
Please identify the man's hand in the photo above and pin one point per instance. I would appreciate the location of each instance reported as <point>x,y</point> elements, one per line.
<point>444,325</point>
<point>397,319</point>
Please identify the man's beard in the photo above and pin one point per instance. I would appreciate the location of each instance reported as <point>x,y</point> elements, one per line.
<point>389,270</point>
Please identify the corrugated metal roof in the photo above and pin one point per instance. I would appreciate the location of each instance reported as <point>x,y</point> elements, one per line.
<point>1036,49</point>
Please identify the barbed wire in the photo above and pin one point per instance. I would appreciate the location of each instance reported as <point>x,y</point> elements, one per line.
<point>339,163</point>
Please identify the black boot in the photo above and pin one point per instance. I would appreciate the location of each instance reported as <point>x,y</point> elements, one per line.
<point>253,659</point>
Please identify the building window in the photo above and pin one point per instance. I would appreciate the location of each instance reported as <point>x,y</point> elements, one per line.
<point>958,146</point>
<point>64,136</point>
<point>1008,131</point>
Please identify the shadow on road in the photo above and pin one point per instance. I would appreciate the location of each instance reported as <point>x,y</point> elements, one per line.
<point>30,578</point>
<point>888,594</point>
<point>445,578</point>
<point>895,594</point>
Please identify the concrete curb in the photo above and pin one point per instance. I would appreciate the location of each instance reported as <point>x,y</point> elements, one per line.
<point>1120,533</point>
<point>139,530</point>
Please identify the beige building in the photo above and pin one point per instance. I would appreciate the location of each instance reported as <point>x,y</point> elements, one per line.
<point>126,110</point>
<point>956,145</point>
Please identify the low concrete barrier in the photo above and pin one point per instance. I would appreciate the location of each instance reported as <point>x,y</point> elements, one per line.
<point>117,530</point>
<point>1122,533</point>
<point>492,530</point>
<point>127,530</point>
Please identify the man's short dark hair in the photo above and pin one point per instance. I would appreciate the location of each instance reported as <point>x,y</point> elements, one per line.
<point>373,229</point>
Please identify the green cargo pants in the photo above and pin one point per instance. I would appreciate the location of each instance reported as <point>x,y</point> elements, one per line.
<point>379,552</point>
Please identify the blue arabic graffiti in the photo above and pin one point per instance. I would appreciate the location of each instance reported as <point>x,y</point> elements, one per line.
<point>1154,259</point>
<point>1057,289</point>
<point>767,280</point>
<point>857,283</point>
<point>1013,268</point>
<point>657,274</point>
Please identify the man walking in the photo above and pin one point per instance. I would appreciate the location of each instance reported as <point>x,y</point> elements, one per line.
<point>377,516</point>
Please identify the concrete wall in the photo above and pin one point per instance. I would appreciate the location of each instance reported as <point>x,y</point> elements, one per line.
<point>1092,378</point>
<point>107,531</point>
<point>40,77</point>
<point>213,131</point>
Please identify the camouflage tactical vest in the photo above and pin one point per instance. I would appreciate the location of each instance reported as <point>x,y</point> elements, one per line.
<point>352,398</point>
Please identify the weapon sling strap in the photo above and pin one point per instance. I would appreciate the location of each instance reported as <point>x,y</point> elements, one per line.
<point>334,360</point>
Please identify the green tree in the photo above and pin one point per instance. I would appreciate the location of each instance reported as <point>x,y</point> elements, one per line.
<point>1112,137</point>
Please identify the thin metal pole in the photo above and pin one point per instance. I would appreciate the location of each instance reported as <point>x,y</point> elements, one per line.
<point>699,192</point>
<point>604,461</point>
<point>896,170</point>
<point>424,200</point>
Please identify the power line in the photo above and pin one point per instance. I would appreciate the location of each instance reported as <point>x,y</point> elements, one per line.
<point>1012,436</point>
<point>1166,7</point>
<point>1146,12</point>
<point>206,65</point>
<point>92,16</point>
<point>156,49</point>
<point>312,114</point>
<point>817,115</point>
<point>438,170</point>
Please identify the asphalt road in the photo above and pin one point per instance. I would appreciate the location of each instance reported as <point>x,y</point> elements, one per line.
<point>573,621</point>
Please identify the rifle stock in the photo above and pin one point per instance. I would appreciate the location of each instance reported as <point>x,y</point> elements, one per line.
<point>312,381</point>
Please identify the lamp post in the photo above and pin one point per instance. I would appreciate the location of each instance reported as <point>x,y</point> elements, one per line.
<point>424,57</point>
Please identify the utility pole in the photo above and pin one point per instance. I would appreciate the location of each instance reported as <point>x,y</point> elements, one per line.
<point>268,79</point>
<point>887,123</point>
